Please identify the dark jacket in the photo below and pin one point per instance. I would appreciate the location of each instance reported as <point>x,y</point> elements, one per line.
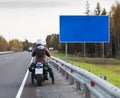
<point>40,52</point>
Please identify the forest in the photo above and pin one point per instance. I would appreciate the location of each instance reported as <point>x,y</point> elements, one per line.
<point>14,45</point>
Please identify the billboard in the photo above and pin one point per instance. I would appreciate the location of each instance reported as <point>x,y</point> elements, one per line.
<point>79,29</point>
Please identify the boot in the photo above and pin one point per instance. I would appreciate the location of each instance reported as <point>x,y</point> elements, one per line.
<point>52,82</point>
<point>32,82</point>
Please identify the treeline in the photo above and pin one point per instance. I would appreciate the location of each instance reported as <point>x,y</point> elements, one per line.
<point>14,45</point>
<point>111,49</point>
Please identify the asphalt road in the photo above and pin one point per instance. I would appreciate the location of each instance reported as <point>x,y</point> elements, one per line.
<point>61,89</point>
<point>13,68</point>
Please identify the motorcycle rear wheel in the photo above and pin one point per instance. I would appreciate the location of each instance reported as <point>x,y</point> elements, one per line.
<point>39,79</point>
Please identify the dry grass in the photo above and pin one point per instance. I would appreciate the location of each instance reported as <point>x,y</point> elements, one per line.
<point>105,61</point>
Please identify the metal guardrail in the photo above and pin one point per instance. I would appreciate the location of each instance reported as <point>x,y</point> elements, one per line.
<point>85,81</point>
<point>6,52</point>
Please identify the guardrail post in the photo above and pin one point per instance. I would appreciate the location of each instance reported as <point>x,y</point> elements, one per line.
<point>87,91</point>
<point>63,72</point>
<point>60,70</point>
<point>54,64</point>
<point>103,77</point>
<point>71,80</point>
<point>66,75</point>
<point>78,86</point>
<point>57,67</point>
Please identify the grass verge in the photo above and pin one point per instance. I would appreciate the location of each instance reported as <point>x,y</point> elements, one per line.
<point>98,66</point>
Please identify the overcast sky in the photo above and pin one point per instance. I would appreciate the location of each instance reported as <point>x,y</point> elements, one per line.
<point>34,19</point>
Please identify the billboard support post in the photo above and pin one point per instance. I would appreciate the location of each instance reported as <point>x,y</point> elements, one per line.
<point>66,52</point>
<point>103,50</point>
<point>84,49</point>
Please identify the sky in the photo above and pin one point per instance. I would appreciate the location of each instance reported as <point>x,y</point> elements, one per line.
<point>35,19</point>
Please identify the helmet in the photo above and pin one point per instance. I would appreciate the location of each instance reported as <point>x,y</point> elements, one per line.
<point>39,42</point>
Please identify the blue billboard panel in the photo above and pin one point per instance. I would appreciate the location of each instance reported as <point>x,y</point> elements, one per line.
<point>84,29</point>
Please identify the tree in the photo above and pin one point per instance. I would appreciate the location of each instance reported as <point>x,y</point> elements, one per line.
<point>97,12</point>
<point>104,12</point>
<point>115,16</point>
<point>25,45</point>
<point>87,13</point>
<point>87,8</point>
<point>3,44</point>
<point>15,45</point>
<point>98,9</point>
<point>52,41</point>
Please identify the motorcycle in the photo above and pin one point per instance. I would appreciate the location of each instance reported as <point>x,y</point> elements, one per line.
<point>39,71</point>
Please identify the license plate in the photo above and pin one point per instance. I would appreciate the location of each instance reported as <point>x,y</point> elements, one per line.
<point>39,71</point>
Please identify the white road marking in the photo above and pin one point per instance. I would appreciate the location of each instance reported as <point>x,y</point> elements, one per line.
<point>23,83</point>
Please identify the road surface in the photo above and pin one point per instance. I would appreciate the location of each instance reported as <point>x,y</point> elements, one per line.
<point>13,68</point>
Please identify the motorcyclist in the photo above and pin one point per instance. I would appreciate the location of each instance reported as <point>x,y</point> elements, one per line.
<point>41,53</point>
